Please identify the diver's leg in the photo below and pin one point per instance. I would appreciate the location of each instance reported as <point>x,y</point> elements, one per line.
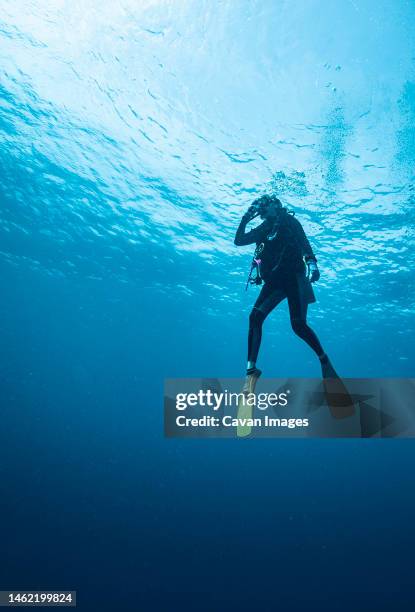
<point>267,300</point>
<point>256,319</point>
<point>304,331</point>
<point>269,297</point>
<point>298,316</point>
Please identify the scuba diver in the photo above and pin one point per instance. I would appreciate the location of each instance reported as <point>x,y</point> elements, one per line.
<point>281,250</point>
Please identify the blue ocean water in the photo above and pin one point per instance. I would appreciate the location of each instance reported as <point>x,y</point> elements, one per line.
<point>134,135</point>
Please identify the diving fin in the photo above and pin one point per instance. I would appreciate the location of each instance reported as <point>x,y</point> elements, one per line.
<point>338,398</point>
<point>245,411</point>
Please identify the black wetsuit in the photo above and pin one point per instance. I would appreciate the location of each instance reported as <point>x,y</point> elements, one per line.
<point>282,268</point>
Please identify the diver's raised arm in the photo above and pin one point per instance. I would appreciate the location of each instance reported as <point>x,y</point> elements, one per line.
<point>243,238</point>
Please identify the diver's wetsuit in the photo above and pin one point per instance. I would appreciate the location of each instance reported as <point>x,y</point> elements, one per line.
<point>283,270</point>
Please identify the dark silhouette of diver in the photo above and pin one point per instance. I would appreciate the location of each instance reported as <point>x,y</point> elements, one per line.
<point>281,249</point>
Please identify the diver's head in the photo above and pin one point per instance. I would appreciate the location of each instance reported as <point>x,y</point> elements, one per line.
<point>269,207</point>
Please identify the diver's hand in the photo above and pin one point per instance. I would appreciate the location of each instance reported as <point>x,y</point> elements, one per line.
<point>250,214</point>
<point>313,273</point>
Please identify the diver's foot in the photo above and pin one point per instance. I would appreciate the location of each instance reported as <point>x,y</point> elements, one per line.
<point>252,376</point>
<point>327,369</point>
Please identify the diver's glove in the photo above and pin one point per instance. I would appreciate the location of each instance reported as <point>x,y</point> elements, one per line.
<point>313,273</point>
<point>250,214</point>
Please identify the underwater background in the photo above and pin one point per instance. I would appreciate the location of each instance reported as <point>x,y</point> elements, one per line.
<point>134,135</point>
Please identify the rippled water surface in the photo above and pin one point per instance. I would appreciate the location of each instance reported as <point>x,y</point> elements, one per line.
<point>134,134</point>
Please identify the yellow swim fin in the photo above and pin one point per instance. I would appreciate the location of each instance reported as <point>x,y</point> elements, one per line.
<point>245,410</point>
